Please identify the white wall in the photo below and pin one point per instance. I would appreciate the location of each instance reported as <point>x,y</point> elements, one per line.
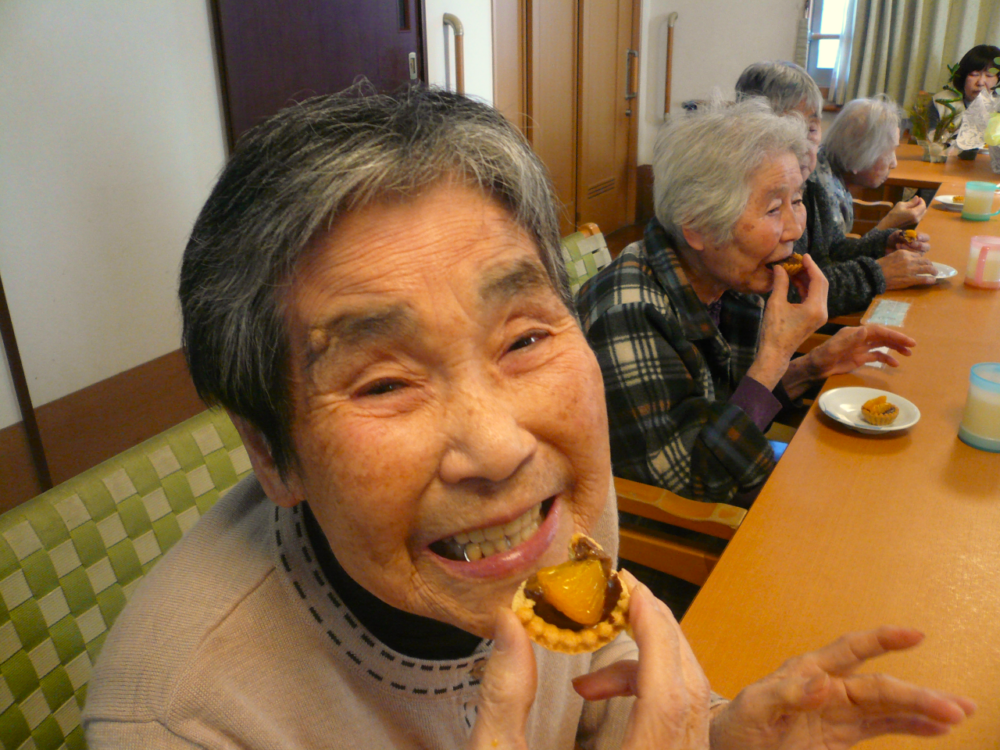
<point>714,40</point>
<point>111,138</point>
<point>477,21</point>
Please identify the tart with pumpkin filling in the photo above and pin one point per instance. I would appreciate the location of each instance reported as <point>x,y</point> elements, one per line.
<point>792,264</point>
<point>576,607</point>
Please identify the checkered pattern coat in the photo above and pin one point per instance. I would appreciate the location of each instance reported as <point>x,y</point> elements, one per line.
<point>669,372</point>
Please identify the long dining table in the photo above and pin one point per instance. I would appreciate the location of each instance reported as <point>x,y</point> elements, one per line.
<point>854,530</point>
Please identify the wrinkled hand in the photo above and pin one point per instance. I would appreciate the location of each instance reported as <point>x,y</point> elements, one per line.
<point>850,348</point>
<point>787,324</point>
<point>898,241</point>
<point>508,688</point>
<point>904,214</point>
<point>817,702</point>
<point>672,693</point>
<point>904,268</point>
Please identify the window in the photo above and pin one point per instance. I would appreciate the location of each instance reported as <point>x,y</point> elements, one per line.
<point>826,26</point>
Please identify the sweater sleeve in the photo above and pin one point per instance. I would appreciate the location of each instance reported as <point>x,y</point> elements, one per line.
<point>664,429</point>
<point>853,285</point>
<point>872,245</point>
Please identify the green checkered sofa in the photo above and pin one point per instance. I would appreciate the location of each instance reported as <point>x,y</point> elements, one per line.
<point>71,558</point>
<point>585,252</point>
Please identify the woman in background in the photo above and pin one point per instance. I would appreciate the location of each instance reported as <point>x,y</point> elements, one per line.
<point>977,72</point>
<point>857,269</point>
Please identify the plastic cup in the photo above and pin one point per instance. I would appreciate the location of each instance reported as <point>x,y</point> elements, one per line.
<point>980,426</point>
<point>983,267</point>
<point>978,205</point>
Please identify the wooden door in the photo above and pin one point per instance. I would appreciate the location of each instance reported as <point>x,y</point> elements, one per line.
<point>608,113</point>
<point>274,52</point>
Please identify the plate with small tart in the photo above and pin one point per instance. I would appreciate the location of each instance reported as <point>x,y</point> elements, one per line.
<point>949,202</point>
<point>861,408</point>
<point>941,271</point>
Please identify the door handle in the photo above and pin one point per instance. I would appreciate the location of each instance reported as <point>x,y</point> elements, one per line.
<point>631,73</point>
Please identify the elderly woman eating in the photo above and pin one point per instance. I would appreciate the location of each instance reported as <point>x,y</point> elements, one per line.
<point>857,269</point>
<point>695,366</point>
<point>374,292</point>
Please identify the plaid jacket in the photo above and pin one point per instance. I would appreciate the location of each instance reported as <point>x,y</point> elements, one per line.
<point>669,372</point>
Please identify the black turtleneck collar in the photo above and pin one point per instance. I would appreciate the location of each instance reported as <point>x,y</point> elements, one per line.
<point>409,634</point>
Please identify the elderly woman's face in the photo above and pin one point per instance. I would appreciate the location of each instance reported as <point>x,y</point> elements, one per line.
<point>814,137</point>
<point>876,175</point>
<point>447,406</point>
<point>766,231</point>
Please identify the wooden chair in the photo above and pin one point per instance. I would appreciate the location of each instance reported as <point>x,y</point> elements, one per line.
<point>867,214</point>
<point>691,559</point>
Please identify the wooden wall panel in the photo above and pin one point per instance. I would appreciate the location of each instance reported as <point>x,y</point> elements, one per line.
<point>508,60</point>
<point>92,425</point>
<point>552,96</point>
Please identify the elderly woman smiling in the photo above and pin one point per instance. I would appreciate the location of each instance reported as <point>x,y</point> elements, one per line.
<point>857,269</point>
<point>374,292</point>
<point>695,366</point>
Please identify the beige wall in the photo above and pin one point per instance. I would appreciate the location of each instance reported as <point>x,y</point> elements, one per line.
<point>111,138</point>
<point>714,40</point>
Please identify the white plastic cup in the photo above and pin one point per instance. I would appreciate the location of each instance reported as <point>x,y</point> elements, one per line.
<point>980,426</point>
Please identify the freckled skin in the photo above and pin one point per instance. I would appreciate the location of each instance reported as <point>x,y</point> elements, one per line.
<point>766,231</point>
<point>467,414</point>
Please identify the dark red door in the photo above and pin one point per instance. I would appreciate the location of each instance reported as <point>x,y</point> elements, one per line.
<point>274,52</point>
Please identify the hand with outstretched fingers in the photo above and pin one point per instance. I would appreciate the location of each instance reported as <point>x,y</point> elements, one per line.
<point>672,694</point>
<point>818,702</point>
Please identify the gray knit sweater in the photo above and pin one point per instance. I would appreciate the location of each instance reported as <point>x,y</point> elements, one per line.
<point>849,263</point>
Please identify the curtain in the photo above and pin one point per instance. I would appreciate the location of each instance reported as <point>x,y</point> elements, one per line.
<point>901,47</point>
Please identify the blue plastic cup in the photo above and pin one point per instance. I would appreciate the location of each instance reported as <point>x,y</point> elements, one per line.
<point>980,426</point>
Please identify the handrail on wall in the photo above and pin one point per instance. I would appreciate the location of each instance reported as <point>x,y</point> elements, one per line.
<point>671,20</point>
<point>450,19</point>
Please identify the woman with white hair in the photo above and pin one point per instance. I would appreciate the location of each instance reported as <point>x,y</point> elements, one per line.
<point>857,268</point>
<point>695,365</point>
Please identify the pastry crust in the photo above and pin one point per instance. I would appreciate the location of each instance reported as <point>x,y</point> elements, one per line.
<point>569,641</point>
<point>792,264</point>
<point>878,411</point>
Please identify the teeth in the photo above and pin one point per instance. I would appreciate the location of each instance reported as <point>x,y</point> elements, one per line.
<point>485,542</point>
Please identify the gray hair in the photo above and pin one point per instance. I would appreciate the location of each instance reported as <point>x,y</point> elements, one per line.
<point>287,183</point>
<point>704,161</point>
<point>785,85</point>
<point>861,133</point>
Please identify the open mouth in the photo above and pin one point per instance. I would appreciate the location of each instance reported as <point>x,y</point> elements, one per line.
<point>478,544</point>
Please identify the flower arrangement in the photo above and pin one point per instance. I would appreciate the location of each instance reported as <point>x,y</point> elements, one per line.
<point>935,139</point>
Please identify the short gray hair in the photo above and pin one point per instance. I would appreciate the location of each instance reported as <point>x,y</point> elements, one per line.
<point>704,161</point>
<point>784,84</point>
<point>861,133</point>
<point>287,183</point>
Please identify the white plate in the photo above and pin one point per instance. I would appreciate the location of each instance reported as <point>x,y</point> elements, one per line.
<point>844,405</point>
<point>948,202</point>
<point>943,271</point>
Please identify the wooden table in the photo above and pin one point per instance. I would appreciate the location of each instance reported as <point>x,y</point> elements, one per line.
<point>853,531</point>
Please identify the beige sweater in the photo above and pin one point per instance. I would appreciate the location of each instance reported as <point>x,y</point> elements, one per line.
<point>235,640</point>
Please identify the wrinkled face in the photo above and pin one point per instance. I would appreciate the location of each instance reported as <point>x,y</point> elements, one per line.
<point>766,231</point>
<point>876,175</point>
<point>814,137</point>
<point>449,414</point>
<point>980,80</point>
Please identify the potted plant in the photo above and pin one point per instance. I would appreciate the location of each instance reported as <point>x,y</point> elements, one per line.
<point>935,140</point>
